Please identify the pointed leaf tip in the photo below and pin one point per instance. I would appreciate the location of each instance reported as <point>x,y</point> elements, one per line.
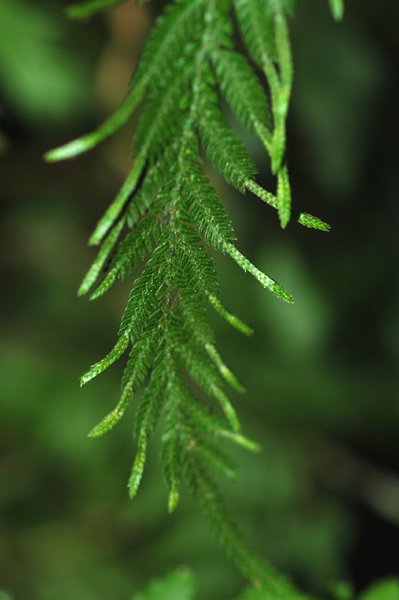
<point>69,150</point>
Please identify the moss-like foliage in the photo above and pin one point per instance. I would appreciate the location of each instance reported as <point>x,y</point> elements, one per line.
<point>167,218</point>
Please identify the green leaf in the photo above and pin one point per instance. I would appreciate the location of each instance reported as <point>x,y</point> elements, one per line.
<point>108,128</point>
<point>243,91</point>
<point>313,222</point>
<point>106,248</point>
<point>283,196</point>
<point>106,362</point>
<point>223,148</point>
<point>263,279</point>
<point>228,316</point>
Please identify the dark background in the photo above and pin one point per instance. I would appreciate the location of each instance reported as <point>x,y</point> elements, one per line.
<point>321,500</point>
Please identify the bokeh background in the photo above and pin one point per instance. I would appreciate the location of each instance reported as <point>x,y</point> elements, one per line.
<point>321,500</point>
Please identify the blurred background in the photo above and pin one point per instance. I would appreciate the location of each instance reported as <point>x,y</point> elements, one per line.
<point>321,500</point>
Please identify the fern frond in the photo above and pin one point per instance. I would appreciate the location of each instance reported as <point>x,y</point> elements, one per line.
<point>138,365</point>
<point>130,252</point>
<point>172,32</point>
<point>283,196</point>
<point>116,207</point>
<point>304,219</point>
<point>146,420</point>
<point>100,366</point>
<point>106,249</point>
<point>206,211</point>
<point>223,369</point>
<point>109,127</point>
<point>226,531</point>
<point>223,148</point>
<point>263,279</point>
<point>229,317</point>
<point>166,218</point>
<point>243,92</point>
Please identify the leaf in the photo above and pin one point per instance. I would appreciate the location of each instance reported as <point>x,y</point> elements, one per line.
<point>105,251</point>
<point>108,128</point>
<point>243,91</point>
<point>283,197</point>
<point>263,279</point>
<point>106,362</point>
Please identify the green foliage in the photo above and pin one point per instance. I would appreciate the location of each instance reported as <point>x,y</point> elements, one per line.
<point>178,585</point>
<point>173,218</point>
<point>33,44</point>
<point>387,589</point>
<point>83,10</point>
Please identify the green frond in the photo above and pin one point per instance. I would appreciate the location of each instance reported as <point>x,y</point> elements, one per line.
<point>192,321</point>
<point>159,120</point>
<point>214,459</point>
<point>240,440</point>
<point>146,420</point>
<point>206,376</point>
<point>168,39</point>
<point>154,190</point>
<point>256,23</point>
<point>313,222</point>
<point>172,32</point>
<point>112,418</point>
<point>284,56</point>
<point>146,295</point>
<point>223,369</point>
<point>138,465</point>
<point>206,211</point>
<point>226,531</point>
<point>108,128</point>
<point>140,360</point>
<point>243,92</point>
<point>102,365</point>
<point>199,270</point>
<point>174,219</point>
<point>138,365</point>
<point>283,6</point>
<point>223,148</point>
<point>116,207</point>
<point>172,440</point>
<point>304,219</point>
<point>130,252</point>
<point>263,279</point>
<point>211,424</point>
<point>228,316</point>
<point>106,249</point>
<point>283,196</point>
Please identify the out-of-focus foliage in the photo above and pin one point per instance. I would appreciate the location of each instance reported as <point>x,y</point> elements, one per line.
<point>322,369</point>
<point>382,590</point>
<point>179,585</point>
<point>43,74</point>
